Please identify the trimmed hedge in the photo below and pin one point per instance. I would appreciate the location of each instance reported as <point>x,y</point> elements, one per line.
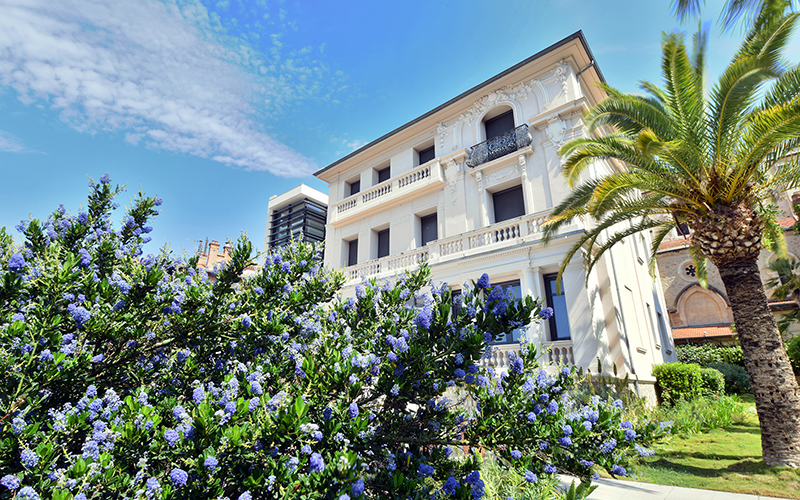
<point>677,381</point>
<point>713,382</point>
<point>705,354</point>
<point>681,381</point>
<point>793,350</point>
<point>736,379</point>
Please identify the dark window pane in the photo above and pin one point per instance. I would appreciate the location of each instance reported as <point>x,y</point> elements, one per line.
<point>430,229</point>
<point>683,229</point>
<point>426,155</point>
<point>508,204</point>
<point>456,302</point>
<point>303,220</point>
<point>352,253</point>
<point>559,323</point>
<point>499,125</point>
<point>355,187</point>
<point>515,335</point>
<point>384,174</point>
<point>383,243</point>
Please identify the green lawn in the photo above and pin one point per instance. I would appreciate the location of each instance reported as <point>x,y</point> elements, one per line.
<point>723,459</point>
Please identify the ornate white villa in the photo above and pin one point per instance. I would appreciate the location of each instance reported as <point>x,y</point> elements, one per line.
<point>466,188</point>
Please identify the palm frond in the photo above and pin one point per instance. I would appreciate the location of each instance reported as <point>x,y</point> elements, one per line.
<point>731,99</point>
<point>630,113</point>
<point>685,9</point>
<point>700,264</point>
<point>683,102</point>
<point>645,224</point>
<point>573,207</point>
<point>764,130</point>
<point>659,237</point>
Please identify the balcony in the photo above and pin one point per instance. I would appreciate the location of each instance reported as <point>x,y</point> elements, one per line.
<point>499,146</point>
<point>415,182</point>
<point>494,237</point>
<point>557,353</point>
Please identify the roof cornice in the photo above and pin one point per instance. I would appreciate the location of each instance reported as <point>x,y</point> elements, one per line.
<point>578,35</point>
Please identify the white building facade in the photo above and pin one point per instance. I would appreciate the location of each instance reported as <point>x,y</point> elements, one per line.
<point>435,190</point>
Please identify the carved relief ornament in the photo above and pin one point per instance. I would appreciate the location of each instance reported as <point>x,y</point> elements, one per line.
<point>501,176</point>
<point>507,93</point>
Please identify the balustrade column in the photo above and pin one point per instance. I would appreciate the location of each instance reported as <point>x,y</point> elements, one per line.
<point>483,197</point>
<point>527,191</point>
<point>531,284</point>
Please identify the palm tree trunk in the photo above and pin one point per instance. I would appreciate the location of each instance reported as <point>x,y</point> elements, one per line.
<point>772,380</point>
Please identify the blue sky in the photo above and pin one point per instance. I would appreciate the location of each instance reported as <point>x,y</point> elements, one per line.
<point>217,105</point>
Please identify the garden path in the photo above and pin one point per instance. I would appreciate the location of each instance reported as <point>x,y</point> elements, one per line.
<point>612,489</point>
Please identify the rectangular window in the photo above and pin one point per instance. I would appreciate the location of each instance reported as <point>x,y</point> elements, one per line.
<point>652,327</point>
<point>383,243</point>
<point>515,335</point>
<point>455,303</point>
<point>499,125</point>
<point>429,228</point>
<point>508,204</point>
<point>426,155</point>
<point>662,330</point>
<point>355,187</point>
<point>559,323</point>
<point>352,252</point>
<point>384,174</point>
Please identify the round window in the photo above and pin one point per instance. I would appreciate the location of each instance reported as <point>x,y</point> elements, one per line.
<point>688,271</point>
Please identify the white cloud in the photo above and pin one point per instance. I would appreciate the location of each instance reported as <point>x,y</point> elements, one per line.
<point>165,75</point>
<point>11,144</point>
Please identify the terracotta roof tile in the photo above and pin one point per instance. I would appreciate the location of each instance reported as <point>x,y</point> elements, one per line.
<point>676,243</point>
<point>699,332</point>
<point>786,222</point>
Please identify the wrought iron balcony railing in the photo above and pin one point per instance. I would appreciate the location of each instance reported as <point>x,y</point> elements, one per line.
<point>499,146</point>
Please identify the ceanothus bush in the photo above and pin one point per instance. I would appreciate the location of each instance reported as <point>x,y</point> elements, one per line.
<point>143,376</point>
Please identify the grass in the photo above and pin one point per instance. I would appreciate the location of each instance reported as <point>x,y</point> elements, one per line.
<point>724,459</point>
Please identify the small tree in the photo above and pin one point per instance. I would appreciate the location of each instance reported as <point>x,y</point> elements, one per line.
<point>139,376</point>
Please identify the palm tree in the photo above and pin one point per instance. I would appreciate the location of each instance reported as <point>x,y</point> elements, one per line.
<point>733,12</point>
<point>706,159</point>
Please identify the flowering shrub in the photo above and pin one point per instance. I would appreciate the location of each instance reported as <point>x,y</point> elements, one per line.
<point>142,376</point>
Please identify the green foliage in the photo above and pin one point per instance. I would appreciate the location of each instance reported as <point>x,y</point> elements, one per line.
<point>793,350</point>
<point>127,375</point>
<point>678,381</point>
<point>704,413</point>
<point>502,483</point>
<point>713,382</point>
<point>705,354</point>
<point>581,492</point>
<point>736,379</point>
<point>604,386</point>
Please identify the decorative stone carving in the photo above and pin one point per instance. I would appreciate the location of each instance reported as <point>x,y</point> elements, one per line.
<point>442,130</point>
<point>561,70</point>
<point>399,220</point>
<point>507,93</point>
<point>502,176</point>
<point>555,131</point>
<point>479,178</point>
<point>454,175</point>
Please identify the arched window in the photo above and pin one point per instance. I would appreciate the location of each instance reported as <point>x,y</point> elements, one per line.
<point>497,122</point>
<point>499,135</point>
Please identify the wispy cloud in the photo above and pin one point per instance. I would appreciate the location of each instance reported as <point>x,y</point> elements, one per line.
<point>11,144</point>
<point>165,74</point>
